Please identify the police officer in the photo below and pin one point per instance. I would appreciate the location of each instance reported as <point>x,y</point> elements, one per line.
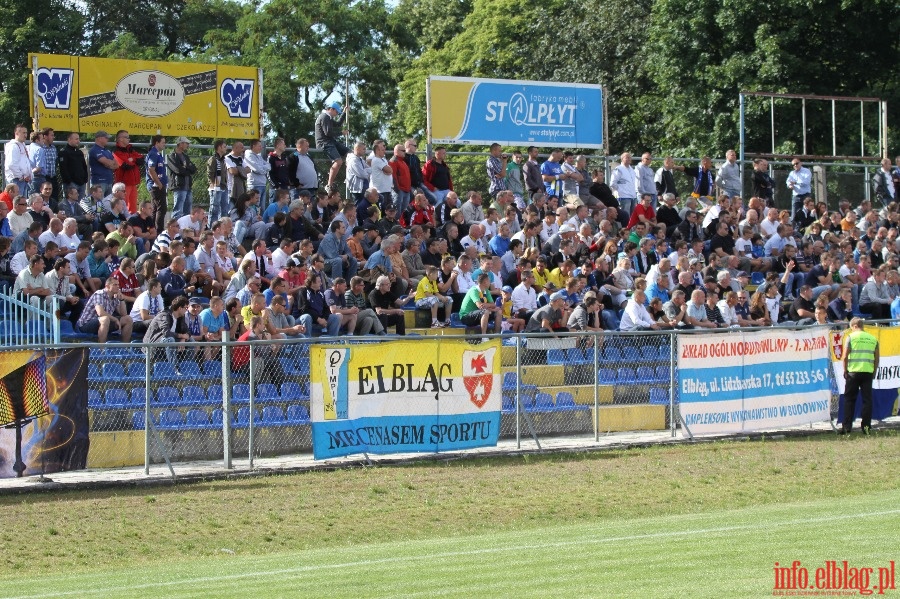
<point>860,364</point>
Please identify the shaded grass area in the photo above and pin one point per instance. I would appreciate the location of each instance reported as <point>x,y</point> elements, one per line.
<point>90,531</point>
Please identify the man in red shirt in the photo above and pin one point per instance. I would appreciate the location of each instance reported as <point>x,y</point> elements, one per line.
<point>402,179</point>
<point>643,213</point>
<point>129,171</point>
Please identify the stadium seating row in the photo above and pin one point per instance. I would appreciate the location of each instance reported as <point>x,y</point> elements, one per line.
<point>193,395</point>
<point>199,419</point>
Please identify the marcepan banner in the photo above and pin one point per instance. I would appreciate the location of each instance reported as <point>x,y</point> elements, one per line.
<point>73,93</point>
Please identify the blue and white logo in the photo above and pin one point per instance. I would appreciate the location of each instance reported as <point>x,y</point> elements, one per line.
<point>237,96</point>
<point>54,86</point>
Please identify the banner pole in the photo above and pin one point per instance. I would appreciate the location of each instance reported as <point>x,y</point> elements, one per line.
<point>35,96</point>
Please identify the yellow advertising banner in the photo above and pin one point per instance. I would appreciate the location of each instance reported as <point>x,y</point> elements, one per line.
<point>72,93</point>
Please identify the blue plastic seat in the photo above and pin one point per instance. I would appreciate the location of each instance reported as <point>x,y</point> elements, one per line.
<point>214,394</point>
<point>543,402</point>
<point>213,368</point>
<point>509,404</point>
<point>171,419</point>
<point>164,371</point>
<point>243,418</point>
<point>576,356</point>
<point>630,355</point>
<point>662,373</point>
<point>240,394</point>
<point>67,330</point>
<point>113,371</point>
<point>272,415</point>
<point>566,401</point>
<point>659,396</point>
<point>267,392</point>
<point>168,396</point>
<point>190,370</point>
<point>95,400</point>
<point>607,376</point>
<point>297,413</point>
<point>455,322</point>
<point>293,391</point>
<point>136,371</point>
<point>664,353</point>
<point>625,376</point>
<point>193,395</point>
<point>612,355</point>
<point>137,420</point>
<point>649,353</point>
<point>216,420</point>
<point>509,384</point>
<point>556,357</point>
<point>138,397</point>
<point>645,374</point>
<point>93,372</point>
<point>197,418</point>
<point>116,398</point>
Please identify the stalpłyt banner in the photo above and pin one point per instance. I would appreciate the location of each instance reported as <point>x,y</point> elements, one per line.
<point>402,396</point>
<point>465,110</point>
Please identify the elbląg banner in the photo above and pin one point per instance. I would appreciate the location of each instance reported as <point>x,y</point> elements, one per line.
<point>402,396</point>
<point>465,110</point>
<point>72,93</point>
<point>738,382</point>
<point>887,377</point>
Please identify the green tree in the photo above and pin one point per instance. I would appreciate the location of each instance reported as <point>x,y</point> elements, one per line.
<point>49,26</point>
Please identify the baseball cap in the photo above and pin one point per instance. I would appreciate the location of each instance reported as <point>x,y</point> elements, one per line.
<point>557,296</point>
<point>195,301</point>
<point>336,106</point>
<point>567,228</point>
<point>101,133</point>
<point>182,140</point>
<point>693,261</point>
<point>506,289</point>
<point>550,285</point>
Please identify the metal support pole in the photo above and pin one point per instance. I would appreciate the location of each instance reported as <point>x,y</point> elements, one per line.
<point>226,401</point>
<point>867,184</point>
<point>833,129</point>
<point>742,138</point>
<point>882,131</point>
<point>597,387</point>
<point>147,355</point>
<point>862,129</point>
<point>772,119</point>
<point>672,354</point>
<point>252,405</point>
<point>518,391</point>
<point>803,113</point>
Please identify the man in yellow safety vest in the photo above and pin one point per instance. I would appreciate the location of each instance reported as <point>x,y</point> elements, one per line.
<point>860,365</point>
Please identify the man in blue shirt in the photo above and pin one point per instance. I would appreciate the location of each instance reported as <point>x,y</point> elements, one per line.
<point>552,174</point>
<point>45,157</point>
<point>102,163</point>
<point>213,320</point>
<point>157,179</point>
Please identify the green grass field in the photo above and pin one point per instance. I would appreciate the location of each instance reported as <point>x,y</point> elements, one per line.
<point>689,521</point>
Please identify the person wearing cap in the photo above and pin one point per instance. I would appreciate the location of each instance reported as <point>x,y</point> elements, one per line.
<point>183,170</point>
<point>861,357</point>
<point>328,139</point>
<point>548,289</point>
<point>549,317</point>
<point>551,247</point>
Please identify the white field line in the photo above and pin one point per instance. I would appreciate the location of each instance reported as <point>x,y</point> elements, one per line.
<point>115,590</point>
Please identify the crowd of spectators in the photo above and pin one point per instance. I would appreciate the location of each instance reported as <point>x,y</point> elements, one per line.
<point>550,247</point>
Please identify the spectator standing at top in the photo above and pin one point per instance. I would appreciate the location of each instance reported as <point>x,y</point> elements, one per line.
<point>382,174</point>
<point>534,183</point>
<point>799,181</point>
<point>237,171</point>
<point>102,163</point>
<point>328,140</point>
<point>128,172</point>
<point>665,178</point>
<point>704,180</point>
<point>183,171</point>
<point>624,182</point>
<point>763,184</point>
<point>645,179</point>
<point>278,166</point>
<point>359,173</point>
<point>73,168</point>
<point>217,176</point>
<point>17,162</point>
<point>496,170</point>
<point>884,185</point>
<point>552,174</point>
<point>415,171</point>
<point>259,171</point>
<point>728,178</point>
<point>402,192</point>
<point>157,179</point>
<point>436,175</point>
<point>45,161</point>
<point>302,170</point>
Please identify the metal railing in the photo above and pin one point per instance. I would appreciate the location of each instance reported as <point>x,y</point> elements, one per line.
<point>186,403</point>
<point>23,323</point>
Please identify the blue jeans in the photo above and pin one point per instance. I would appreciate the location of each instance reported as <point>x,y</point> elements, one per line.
<point>387,200</point>
<point>401,200</point>
<point>439,196</point>
<point>306,321</point>
<point>24,187</point>
<point>427,193</point>
<point>819,290</point>
<point>183,200</point>
<point>218,205</point>
<point>335,267</point>
<point>263,198</point>
<point>627,205</point>
<point>107,187</point>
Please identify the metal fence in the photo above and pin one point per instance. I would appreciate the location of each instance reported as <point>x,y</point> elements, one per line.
<point>157,404</point>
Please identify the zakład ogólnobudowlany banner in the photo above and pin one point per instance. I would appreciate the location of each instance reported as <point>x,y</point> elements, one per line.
<point>77,93</point>
<point>887,377</point>
<point>733,382</point>
<point>402,396</point>
<point>465,110</point>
